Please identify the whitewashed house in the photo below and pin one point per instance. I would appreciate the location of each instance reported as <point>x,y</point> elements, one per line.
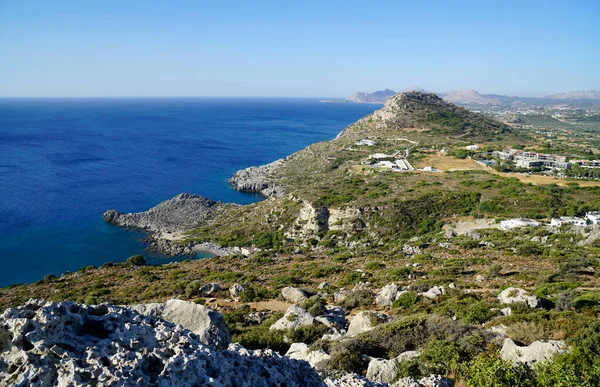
<point>593,217</point>
<point>518,222</point>
<point>472,147</point>
<point>557,222</point>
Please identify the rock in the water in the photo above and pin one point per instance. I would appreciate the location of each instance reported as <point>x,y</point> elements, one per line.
<point>208,324</point>
<point>294,295</point>
<point>536,352</point>
<point>317,359</point>
<point>210,289</point>
<point>382,370</point>
<point>512,295</point>
<point>293,318</point>
<point>434,292</point>
<point>387,295</point>
<point>258,179</point>
<point>365,321</point>
<point>235,291</point>
<point>69,344</point>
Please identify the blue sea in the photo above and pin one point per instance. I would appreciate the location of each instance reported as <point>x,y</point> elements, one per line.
<point>63,162</point>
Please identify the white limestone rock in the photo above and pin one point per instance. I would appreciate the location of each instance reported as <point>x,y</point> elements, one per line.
<point>317,359</point>
<point>210,289</point>
<point>207,323</point>
<point>69,344</point>
<point>388,294</point>
<point>365,321</point>
<point>293,294</point>
<point>434,292</point>
<point>235,291</point>
<point>536,352</point>
<point>512,295</point>
<point>294,318</point>
<point>351,380</point>
<point>427,381</point>
<point>382,370</point>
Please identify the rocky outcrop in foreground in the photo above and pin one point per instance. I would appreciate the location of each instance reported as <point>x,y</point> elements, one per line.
<point>68,344</point>
<point>258,179</point>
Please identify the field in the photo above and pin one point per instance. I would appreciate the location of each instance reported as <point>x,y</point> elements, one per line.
<point>447,163</point>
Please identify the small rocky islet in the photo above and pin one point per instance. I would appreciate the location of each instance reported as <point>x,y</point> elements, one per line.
<point>346,275</point>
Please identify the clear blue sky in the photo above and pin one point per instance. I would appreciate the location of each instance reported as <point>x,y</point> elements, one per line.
<point>307,48</point>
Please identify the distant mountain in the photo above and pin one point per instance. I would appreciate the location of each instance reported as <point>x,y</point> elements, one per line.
<point>376,97</point>
<point>574,95</point>
<point>472,97</point>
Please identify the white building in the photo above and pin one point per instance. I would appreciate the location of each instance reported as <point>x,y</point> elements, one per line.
<point>379,156</point>
<point>557,222</point>
<point>593,217</point>
<point>365,142</point>
<point>472,147</point>
<point>518,222</point>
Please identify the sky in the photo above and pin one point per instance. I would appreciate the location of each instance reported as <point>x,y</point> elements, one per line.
<point>324,48</point>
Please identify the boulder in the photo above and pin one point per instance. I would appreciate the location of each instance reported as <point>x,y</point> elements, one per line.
<point>479,278</point>
<point>434,292</point>
<point>512,295</point>
<point>294,295</point>
<point>536,352</point>
<point>69,344</point>
<point>235,291</point>
<point>341,295</point>
<point>334,317</point>
<point>207,323</point>
<point>387,295</point>
<point>324,285</point>
<point>317,359</point>
<point>382,370</point>
<point>210,289</point>
<point>365,321</point>
<point>294,318</point>
<point>350,380</point>
<point>428,381</point>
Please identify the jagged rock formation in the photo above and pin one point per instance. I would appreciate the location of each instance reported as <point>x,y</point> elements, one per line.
<point>206,323</point>
<point>183,212</point>
<point>259,179</point>
<point>68,344</point>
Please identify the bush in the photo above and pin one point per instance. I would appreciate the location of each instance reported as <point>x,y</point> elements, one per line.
<point>315,305</point>
<point>406,300</point>
<point>358,299</point>
<point>136,260</point>
<point>253,294</point>
<point>489,371</point>
<point>192,289</point>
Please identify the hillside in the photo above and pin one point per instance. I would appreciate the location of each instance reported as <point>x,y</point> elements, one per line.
<point>376,97</point>
<point>404,277</point>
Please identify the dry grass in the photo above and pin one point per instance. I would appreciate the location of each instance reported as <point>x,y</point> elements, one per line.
<point>448,163</point>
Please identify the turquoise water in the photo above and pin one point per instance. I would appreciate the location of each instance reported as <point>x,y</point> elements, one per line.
<point>63,162</point>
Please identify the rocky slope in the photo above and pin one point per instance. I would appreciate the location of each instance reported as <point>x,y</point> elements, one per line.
<point>69,344</point>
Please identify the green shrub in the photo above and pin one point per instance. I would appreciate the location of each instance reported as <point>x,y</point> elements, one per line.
<point>357,299</point>
<point>254,294</point>
<point>406,300</point>
<point>315,305</point>
<point>136,260</point>
<point>489,371</point>
<point>192,289</point>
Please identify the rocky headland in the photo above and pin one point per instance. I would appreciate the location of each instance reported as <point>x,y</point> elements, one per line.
<point>259,179</point>
<point>167,222</point>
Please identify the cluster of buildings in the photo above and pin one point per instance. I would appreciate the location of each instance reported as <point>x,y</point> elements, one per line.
<point>590,218</point>
<point>528,160</point>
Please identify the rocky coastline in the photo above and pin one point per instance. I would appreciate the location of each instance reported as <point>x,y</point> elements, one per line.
<point>167,222</point>
<point>259,179</point>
